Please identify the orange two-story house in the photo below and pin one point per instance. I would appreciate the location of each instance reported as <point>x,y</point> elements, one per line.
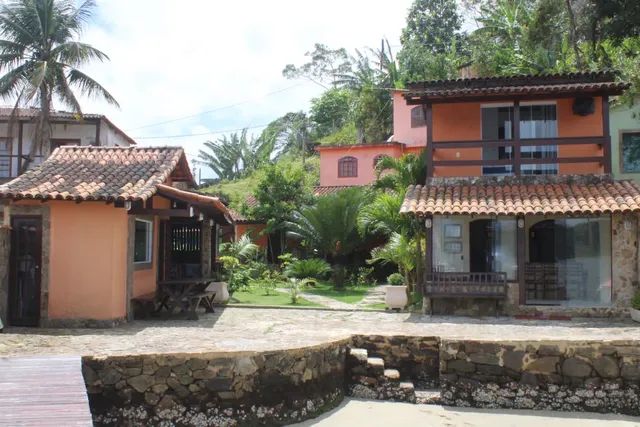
<point>519,208</point>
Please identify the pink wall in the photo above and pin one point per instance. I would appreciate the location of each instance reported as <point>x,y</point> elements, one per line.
<point>365,154</point>
<point>402,130</point>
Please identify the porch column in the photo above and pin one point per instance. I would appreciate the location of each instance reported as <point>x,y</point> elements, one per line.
<point>205,248</point>
<point>520,257</point>
<point>428,263</point>
<point>606,133</point>
<point>5,247</point>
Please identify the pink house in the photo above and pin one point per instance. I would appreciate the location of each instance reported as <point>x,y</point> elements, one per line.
<point>349,165</point>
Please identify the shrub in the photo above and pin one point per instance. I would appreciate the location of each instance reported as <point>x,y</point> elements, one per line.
<point>635,302</point>
<point>314,268</point>
<point>286,259</point>
<point>395,279</point>
<point>364,277</point>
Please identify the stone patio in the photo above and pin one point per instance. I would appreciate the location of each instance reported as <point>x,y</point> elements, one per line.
<point>249,329</point>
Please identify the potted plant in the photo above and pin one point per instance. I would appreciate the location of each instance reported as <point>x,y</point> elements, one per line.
<point>396,292</point>
<point>635,307</point>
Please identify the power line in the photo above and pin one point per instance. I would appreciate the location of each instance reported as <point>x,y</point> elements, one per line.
<point>224,107</point>
<point>186,135</point>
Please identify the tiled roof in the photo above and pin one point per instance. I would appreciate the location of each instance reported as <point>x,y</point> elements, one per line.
<point>98,173</point>
<point>323,191</point>
<point>209,204</point>
<point>585,195</point>
<point>544,84</point>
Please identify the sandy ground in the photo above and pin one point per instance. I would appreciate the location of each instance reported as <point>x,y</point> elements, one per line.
<point>354,412</point>
<point>251,329</point>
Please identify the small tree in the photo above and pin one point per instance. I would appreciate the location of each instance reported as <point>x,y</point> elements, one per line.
<point>279,192</point>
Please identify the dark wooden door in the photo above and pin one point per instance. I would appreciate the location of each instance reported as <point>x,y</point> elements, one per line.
<point>482,235</point>
<point>25,270</point>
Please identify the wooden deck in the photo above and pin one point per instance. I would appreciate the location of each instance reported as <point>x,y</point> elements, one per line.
<point>43,391</point>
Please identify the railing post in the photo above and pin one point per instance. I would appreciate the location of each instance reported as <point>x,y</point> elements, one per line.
<point>516,138</point>
<point>606,147</point>
<point>428,118</point>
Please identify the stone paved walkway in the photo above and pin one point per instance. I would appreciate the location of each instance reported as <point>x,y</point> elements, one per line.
<point>250,329</point>
<point>374,295</point>
<point>324,301</point>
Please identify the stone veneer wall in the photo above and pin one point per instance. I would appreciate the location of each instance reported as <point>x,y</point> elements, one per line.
<point>276,387</point>
<point>585,376</point>
<point>416,358</point>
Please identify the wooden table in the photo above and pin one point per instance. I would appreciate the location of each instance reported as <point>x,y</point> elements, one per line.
<point>187,295</point>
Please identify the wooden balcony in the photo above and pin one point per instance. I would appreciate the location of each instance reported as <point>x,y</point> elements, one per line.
<point>516,158</point>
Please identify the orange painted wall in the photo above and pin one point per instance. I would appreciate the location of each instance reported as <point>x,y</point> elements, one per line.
<point>457,122</point>
<point>570,125</point>
<point>402,130</point>
<point>145,280</point>
<point>255,232</point>
<point>88,261</point>
<point>329,157</point>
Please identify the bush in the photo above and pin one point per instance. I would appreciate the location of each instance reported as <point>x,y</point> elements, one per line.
<point>395,279</point>
<point>364,277</point>
<point>312,268</point>
<point>269,281</point>
<point>635,302</point>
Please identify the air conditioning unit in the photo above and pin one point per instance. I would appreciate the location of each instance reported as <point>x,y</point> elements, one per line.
<point>583,106</point>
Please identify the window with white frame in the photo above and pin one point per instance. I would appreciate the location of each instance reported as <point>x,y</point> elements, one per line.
<point>143,244</point>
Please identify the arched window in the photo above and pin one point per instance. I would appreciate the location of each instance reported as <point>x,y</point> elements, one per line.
<point>347,167</point>
<point>417,117</point>
<point>377,159</point>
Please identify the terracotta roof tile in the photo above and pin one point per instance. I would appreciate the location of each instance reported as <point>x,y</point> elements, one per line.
<point>324,190</point>
<point>97,173</point>
<point>543,84</point>
<point>558,196</point>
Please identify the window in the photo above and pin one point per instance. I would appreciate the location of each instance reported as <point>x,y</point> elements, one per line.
<point>478,245</point>
<point>417,117</point>
<point>60,142</point>
<point>347,167</point>
<point>630,142</point>
<point>378,158</point>
<point>568,261</point>
<point>5,160</point>
<point>143,243</point>
<point>536,121</point>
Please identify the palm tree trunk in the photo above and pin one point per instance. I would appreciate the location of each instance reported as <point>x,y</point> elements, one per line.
<point>42,140</point>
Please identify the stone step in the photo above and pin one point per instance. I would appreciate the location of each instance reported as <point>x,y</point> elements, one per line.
<point>428,396</point>
<point>392,375</point>
<point>375,365</point>
<point>358,356</point>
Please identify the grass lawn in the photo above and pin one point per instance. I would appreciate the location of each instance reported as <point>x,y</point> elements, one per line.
<point>350,294</point>
<point>257,297</point>
<point>378,306</point>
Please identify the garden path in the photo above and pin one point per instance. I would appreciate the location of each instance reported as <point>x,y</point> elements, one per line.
<point>324,301</point>
<point>375,295</point>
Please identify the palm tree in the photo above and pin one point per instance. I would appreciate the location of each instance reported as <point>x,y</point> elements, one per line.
<point>243,249</point>
<point>400,250</point>
<point>399,173</point>
<point>233,156</point>
<point>39,58</point>
<point>330,226</point>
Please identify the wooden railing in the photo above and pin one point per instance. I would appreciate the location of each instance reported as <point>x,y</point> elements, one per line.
<point>465,285</point>
<point>516,159</point>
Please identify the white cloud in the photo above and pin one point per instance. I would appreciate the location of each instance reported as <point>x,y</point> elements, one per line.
<point>172,58</point>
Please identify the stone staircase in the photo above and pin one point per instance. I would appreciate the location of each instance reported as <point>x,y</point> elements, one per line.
<point>367,378</point>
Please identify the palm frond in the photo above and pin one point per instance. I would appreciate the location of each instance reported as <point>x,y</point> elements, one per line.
<point>90,87</point>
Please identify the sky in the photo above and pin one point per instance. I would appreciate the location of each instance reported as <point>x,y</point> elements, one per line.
<point>170,59</point>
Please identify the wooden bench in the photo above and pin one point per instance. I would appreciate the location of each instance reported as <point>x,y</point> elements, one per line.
<point>205,299</point>
<point>144,305</point>
<point>466,285</point>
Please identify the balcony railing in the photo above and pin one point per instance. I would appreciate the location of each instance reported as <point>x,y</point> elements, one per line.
<point>517,156</point>
<point>465,285</point>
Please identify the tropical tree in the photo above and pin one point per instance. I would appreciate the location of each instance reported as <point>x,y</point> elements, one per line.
<point>235,155</point>
<point>330,226</point>
<point>400,250</point>
<point>242,249</point>
<point>40,57</point>
<point>399,173</point>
